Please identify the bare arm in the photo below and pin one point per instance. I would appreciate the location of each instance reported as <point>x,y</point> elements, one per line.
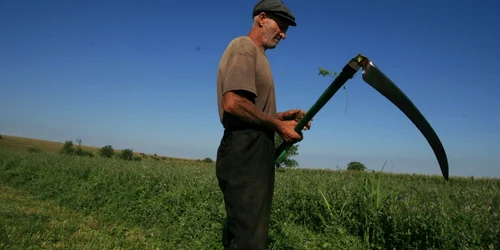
<point>241,105</point>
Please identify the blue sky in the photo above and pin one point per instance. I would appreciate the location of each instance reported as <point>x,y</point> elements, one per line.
<point>129,74</point>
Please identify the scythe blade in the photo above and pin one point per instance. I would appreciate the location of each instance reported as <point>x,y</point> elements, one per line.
<point>375,78</point>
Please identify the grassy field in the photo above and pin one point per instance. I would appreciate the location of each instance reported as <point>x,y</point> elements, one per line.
<point>58,201</point>
<point>9,142</point>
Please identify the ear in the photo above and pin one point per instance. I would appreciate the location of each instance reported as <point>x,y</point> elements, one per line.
<point>261,19</point>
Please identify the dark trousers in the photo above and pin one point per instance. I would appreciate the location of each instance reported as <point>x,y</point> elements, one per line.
<point>245,171</point>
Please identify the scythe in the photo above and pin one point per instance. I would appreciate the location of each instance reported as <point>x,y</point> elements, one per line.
<point>380,82</point>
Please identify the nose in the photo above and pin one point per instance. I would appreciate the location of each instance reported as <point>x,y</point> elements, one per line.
<point>283,35</point>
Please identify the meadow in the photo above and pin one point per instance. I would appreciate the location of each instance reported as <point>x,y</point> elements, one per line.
<point>54,201</point>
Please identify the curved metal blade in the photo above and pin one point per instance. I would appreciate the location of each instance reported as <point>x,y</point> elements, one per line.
<point>375,78</point>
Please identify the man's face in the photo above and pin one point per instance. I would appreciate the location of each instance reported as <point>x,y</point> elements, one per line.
<point>273,31</point>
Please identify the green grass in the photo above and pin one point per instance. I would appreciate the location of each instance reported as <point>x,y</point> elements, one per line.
<point>51,201</point>
<point>29,222</point>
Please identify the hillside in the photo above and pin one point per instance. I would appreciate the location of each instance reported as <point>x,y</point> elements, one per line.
<point>17,143</point>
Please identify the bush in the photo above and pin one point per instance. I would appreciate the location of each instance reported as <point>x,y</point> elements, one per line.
<point>208,160</point>
<point>127,154</point>
<point>356,166</point>
<point>107,151</point>
<point>80,152</point>
<point>68,148</point>
<point>34,150</point>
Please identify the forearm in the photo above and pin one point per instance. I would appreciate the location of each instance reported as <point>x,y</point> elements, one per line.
<point>246,111</point>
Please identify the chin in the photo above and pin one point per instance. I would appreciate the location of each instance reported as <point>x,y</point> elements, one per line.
<point>272,46</point>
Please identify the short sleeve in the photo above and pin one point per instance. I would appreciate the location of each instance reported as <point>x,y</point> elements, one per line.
<point>239,73</point>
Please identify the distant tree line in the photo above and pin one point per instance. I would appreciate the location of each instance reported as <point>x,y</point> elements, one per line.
<point>107,151</point>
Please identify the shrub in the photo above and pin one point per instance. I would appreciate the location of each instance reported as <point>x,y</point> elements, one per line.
<point>356,166</point>
<point>68,148</point>
<point>80,152</point>
<point>107,151</point>
<point>208,160</point>
<point>34,150</point>
<point>127,154</point>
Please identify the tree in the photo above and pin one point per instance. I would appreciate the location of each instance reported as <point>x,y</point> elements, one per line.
<point>79,141</point>
<point>285,161</point>
<point>356,166</point>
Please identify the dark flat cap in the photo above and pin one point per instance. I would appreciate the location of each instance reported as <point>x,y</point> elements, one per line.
<point>277,7</point>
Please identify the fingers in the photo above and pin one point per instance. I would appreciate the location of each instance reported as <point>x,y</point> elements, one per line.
<point>298,138</point>
<point>308,126</point>
<point>294,137</point>
<point>295,111</point>
<point>293,114</point>
<point>290,114</point>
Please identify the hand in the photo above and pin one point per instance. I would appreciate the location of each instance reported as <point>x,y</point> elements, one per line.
<point>296,115</point>
<point>286,129</point>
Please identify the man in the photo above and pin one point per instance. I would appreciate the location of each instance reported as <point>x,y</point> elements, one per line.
<point>247,110</point>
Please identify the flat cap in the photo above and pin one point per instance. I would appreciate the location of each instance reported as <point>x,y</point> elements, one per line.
<point>277,7</point>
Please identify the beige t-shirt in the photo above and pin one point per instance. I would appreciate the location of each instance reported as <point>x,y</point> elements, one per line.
<point>244,66</point>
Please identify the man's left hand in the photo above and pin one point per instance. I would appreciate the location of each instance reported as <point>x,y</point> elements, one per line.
<point>295,114</point>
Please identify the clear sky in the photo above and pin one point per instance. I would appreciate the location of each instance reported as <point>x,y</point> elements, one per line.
<point>142,75</point>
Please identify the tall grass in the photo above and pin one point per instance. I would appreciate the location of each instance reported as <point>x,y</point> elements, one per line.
<point>179,206</point>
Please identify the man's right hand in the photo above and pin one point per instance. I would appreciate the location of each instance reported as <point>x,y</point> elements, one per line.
<point>286,129</point>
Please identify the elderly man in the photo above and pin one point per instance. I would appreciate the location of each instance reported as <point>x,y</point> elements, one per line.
<point>247,110</point>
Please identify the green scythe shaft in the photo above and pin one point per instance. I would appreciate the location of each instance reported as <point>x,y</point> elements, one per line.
<point>347,73</point>
<point>375,78</point>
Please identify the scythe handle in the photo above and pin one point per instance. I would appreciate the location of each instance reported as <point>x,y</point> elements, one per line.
<point>347,73</point>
